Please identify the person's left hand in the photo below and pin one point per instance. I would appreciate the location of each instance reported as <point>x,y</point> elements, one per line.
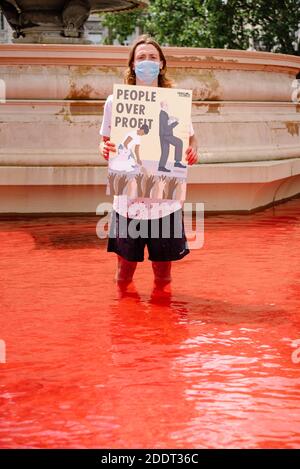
<point>191,155</point>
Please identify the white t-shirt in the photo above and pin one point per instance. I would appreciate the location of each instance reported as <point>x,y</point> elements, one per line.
<point>141,208</point>
<point>135,139</point>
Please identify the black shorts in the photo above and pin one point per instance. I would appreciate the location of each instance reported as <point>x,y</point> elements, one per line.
<point>165,237</point>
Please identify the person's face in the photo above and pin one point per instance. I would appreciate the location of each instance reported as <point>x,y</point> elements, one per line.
<point>164,106</point>
<point>141,132</point>
<point>146,52</point>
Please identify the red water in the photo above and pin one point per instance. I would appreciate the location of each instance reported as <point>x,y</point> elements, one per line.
<point>205,364</point>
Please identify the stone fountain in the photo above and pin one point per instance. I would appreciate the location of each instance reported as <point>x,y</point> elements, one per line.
<point>246,115</point>
<point>57,21</point>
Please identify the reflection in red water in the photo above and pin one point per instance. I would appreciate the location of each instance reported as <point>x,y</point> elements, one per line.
<point>206,363</point>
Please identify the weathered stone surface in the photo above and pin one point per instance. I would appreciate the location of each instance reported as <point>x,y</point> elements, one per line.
<point>245,115</point>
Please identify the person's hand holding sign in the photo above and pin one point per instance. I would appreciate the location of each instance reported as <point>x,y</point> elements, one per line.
<point>106,146</point>
<point>191,152</point>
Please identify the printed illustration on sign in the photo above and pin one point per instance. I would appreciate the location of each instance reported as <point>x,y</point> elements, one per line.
<point>151,131</point>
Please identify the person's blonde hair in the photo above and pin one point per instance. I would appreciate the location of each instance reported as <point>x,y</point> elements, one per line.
<point>129,75</point>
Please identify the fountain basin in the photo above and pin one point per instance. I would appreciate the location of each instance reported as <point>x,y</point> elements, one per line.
<point>245,112</point>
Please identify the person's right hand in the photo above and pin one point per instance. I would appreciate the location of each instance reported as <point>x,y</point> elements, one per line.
<point>105,147</point>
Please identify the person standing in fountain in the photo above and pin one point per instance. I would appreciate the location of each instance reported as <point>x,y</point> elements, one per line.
<point>146,67</point>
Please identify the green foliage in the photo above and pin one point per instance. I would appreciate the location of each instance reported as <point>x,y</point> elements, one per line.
<point>235,24</point>
<point>120,25</point>
<point>176,23</point>
<point>276,23</point>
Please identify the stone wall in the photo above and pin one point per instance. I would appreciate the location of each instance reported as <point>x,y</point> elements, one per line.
<point>243,114</point>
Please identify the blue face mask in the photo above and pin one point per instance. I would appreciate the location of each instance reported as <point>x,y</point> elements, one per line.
<point>147,71</point>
